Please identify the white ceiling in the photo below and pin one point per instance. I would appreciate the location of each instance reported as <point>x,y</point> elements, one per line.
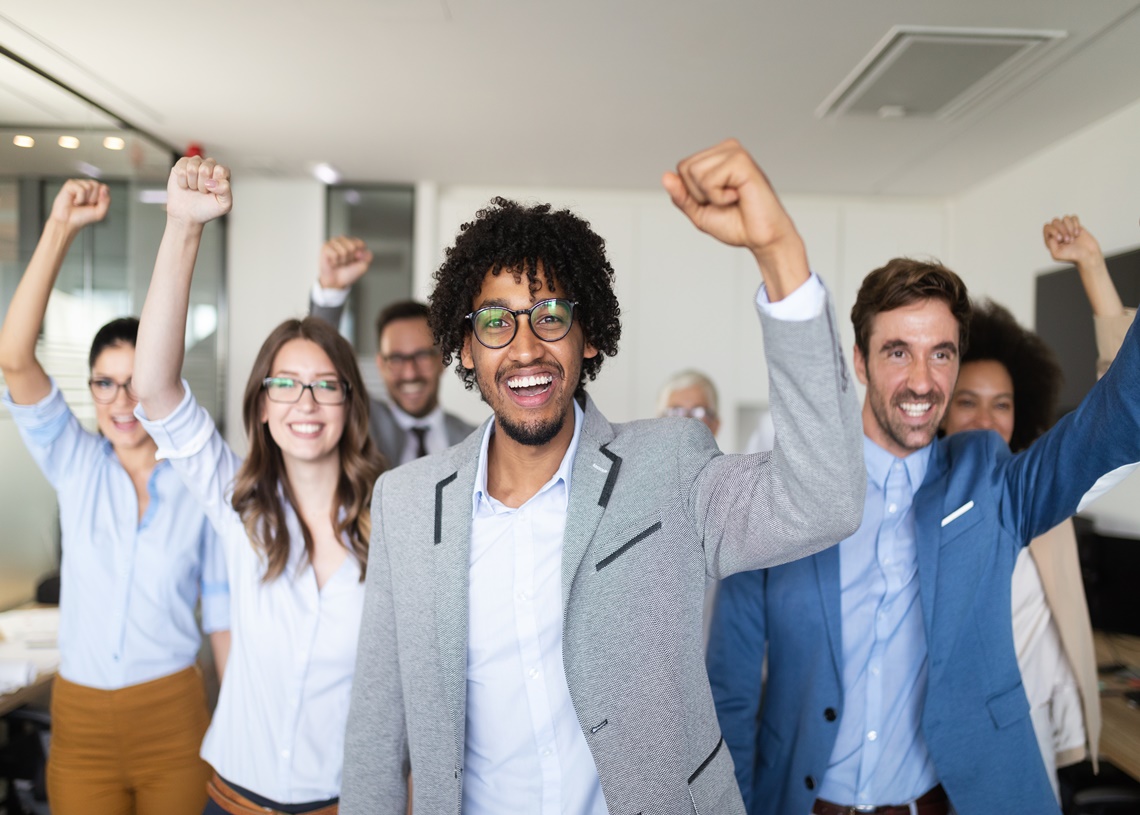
<point>588,93</point>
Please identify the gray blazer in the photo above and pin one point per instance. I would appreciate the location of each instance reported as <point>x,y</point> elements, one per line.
<point>654,507</point>
<point>387,435</point>
<point>391,438</point>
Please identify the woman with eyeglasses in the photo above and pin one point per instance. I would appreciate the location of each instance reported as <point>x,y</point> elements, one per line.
<point>128,707</point>
<point>293,518</point>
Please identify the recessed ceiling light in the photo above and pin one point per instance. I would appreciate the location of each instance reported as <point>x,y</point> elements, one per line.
<point>326,173</point>
<point>23,141</point>
<point>88,169</point>
<point>68,142</point>
<point>114,143</point>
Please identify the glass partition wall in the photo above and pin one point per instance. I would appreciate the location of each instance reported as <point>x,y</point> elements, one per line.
<point>48,135</point>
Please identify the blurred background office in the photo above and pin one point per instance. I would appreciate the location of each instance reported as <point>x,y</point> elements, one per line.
<point>889,128</point>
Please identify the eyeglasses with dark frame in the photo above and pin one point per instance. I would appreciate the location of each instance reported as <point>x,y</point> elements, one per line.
<point>105,390</point>
<point>416,358</point>
<point>286,390</point>
<point>496,326</point>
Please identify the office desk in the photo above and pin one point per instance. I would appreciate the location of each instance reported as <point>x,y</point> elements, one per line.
<point>31,631</point>
<point>1120,734</point>
<point>29,694</point>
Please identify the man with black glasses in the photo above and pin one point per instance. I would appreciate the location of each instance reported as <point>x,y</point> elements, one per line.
<point>411,423</point>
<point>531,639</point>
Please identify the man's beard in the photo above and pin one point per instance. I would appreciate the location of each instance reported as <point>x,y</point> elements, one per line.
<point>896,430</point>
<point>533,434</point>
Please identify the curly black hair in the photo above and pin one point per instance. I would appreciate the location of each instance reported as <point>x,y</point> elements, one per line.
<point>534,240</point>
<point>1032,365</point>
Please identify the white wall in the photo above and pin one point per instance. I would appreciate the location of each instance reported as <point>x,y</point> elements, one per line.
<point>687,300</point>
<point>997,246</point>
<point>275,234</point>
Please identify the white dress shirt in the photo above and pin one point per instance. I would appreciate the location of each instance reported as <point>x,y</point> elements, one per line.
<point>435,440</point>
<point>279,726</point>
<point>524,749</point>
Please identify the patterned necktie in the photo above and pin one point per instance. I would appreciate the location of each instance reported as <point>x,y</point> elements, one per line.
<point>421,437</point>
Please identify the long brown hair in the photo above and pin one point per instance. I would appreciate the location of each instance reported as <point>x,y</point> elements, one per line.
<point>261,481</point>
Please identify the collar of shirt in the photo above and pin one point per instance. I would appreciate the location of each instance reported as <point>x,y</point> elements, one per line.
<point>481,498</point>
<point>879,462</point>
<point>406,421</point>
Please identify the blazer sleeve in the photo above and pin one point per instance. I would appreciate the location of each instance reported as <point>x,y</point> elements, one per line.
<point>760,510</point>
<point>330,314</point>
<point>735,660</point>
<point>376,758</point>
<point>1081,457</point>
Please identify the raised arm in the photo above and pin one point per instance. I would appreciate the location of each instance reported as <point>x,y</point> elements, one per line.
<point>198,191</point>
<point>343,261</point>
<point>79,202</point>
<point>1069,242</point>
<point>726,195</point>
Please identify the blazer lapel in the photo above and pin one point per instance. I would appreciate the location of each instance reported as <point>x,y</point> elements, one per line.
<point>593,478</point>
<point>827,575</point>
<point>451,536</point>
<point>928,505</point>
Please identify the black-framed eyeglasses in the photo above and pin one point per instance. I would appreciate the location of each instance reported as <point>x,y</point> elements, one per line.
<point>288,390</point>
<point>105,390</point>
<point>416,358</point>
<point>496,326</point>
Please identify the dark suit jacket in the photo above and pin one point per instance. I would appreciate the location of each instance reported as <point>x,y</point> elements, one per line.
<point>387,435</point>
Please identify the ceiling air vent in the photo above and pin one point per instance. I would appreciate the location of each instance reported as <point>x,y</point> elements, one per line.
<point>935,72</point>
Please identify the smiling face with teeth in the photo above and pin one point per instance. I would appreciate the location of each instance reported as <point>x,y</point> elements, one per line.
<point>305,430</point>
<point>910,367</point>
<point>529,383</point>
<point>410,365</point>
<point>116,420</point>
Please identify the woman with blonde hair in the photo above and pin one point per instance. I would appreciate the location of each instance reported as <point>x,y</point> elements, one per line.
<point>293,517</point>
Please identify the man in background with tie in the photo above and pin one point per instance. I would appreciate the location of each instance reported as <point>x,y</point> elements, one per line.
<point>411,423</point>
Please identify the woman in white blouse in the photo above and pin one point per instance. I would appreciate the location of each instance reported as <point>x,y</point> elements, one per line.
<point>293,518</point>
<point>128,707</point>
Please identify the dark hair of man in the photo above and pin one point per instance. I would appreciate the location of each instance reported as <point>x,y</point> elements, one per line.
<point>123,331</point>
<point>1032,366</point>
<point>904,281</point>
<point>532,241</point>
<point>400,310</point>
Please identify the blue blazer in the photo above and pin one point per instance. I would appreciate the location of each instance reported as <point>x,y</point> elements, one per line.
<point>975,717</point>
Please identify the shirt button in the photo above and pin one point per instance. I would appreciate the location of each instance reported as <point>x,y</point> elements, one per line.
<point>284,754</point>
<point>872,735</point>
<point>874,670</point>
<point>522,596</point>
<point>547,752</point>
<point>893,508</point>
<point>532,673</point>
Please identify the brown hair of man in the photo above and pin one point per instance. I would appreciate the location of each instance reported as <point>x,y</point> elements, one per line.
<point>904,281</point>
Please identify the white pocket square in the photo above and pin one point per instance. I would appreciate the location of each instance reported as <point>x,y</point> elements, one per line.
<point>958,513</point>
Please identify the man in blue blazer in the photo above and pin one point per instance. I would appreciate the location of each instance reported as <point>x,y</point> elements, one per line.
<point>892,682</point>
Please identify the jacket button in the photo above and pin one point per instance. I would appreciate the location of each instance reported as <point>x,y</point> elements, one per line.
<point>829,714</point>
<point>809,782</point>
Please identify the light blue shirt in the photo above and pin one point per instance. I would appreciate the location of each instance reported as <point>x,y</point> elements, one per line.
<point>129,587</point>
<point>880,756</point>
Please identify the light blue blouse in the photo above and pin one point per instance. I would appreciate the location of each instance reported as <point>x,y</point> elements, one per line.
<point>129,588</point>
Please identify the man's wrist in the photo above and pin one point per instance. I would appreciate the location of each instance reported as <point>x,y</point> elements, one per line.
<point>783,265</point>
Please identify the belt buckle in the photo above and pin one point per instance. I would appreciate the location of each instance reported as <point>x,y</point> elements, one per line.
<point>855,809</point>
